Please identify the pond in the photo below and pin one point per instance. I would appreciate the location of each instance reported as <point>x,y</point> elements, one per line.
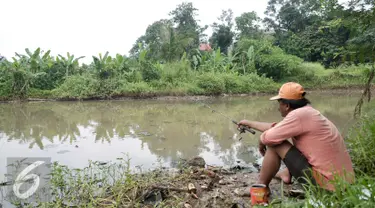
<point>151,132</point>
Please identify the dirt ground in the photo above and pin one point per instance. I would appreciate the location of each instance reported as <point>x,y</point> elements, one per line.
<point>214,187</point>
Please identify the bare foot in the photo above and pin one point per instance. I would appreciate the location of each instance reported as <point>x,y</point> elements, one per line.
<point>284,175</point>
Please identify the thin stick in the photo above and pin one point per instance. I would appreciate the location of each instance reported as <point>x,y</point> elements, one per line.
<point>170,188</point>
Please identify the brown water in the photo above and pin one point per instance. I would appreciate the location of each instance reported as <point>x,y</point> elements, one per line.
<point>151,132</point>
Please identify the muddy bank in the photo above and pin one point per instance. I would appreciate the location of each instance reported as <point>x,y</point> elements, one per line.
<point>197,184</point>
<point>193,184</point>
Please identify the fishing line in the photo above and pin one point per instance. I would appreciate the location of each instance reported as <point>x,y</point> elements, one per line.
<point>242,129</point>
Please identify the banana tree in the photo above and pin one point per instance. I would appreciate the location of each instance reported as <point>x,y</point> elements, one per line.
<point>120,63</point>
<point>248,59</point>
<point>103,65</point>
<point>214,60</point>
<point>70,62</point>
<point>230,59</point>
<point>100,62</point>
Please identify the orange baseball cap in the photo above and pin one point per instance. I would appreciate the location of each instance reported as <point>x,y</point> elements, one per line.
<point>290,91</point>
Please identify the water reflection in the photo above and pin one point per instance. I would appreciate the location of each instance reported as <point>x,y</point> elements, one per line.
<point>74,132</point>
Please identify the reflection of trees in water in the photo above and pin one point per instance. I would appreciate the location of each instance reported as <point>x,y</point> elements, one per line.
<point>31,126</point>
<point>175,127</point>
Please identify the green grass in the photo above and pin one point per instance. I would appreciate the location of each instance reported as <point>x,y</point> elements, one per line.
<point>178,79</point>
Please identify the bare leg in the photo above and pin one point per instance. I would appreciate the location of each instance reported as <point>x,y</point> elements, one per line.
<point>284,175</point>
<point>272,161</point>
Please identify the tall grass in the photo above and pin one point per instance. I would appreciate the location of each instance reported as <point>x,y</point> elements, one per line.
<point>101,184</point>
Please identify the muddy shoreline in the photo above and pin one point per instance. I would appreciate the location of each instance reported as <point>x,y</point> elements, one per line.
<point>166,96</point>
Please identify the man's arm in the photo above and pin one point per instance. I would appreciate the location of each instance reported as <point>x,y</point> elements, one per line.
<point>259,126</point>
<point>290,126</point>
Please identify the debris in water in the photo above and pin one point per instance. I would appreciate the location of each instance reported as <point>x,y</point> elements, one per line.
<point>195,162</point>
<point>145,133</point>
<point>186,205</point>
<point>49,146</point>
<point>63,151</point>
<point>243,169</point>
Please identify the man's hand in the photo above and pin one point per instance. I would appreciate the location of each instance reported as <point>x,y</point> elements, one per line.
<point>262,148</point>
<point>259,126</point>
<point>244,123</point>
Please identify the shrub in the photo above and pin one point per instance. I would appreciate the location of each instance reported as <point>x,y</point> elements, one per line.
<point>160,84</point>
<point>135,88</point>
<point>277,65</point>
<point>361,143</point>
<point>306,72</point>
<point>192,89</point>
<point>78,86</point>
<point>53,77</point>
<point>108,87</point>
<point>210,83</point>
<point>232,83</point>
<point>134,76</point>
<point>255,83</point>
<point>5,83</point>
<point>149,72</point>
<point>270,60</point>
<point>176,72</point>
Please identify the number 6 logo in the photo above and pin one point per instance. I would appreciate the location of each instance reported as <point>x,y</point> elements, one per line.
<point>22,177</point>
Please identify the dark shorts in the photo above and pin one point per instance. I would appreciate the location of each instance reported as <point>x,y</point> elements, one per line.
<point>298,166</point>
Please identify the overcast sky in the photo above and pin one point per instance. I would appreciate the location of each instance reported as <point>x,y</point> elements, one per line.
<point>88,27</point>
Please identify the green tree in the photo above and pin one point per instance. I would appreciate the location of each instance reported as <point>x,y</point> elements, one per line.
<point>248,25</point>
<point>222,36</point>
<point>159,40</point>
<point>189,33</point>
<point>363,42</point>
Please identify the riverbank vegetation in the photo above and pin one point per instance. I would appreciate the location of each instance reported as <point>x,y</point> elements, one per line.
<point>321,44</point>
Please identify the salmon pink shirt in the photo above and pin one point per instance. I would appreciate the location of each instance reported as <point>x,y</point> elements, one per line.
<point>318,139</point>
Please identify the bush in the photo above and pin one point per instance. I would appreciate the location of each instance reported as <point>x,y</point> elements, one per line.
<point>160,84</point>
<point>38,93</point>
<point>306,72</point>
<point>78,86</point>
<point>134,76</point>
<point>53,77</point>
<point>135,88</point>
<point>361,143</point>
<point>210,83</point>
<point>192,89</point>
<point>270,60</point>
<point>232,83</point>
<point>358,194</point>
<point>176,72</point>
<point>108,87</point>
<point>149,72</point>
<point>255,83</point>
<point>5,83</point>
<point>277,65</point>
